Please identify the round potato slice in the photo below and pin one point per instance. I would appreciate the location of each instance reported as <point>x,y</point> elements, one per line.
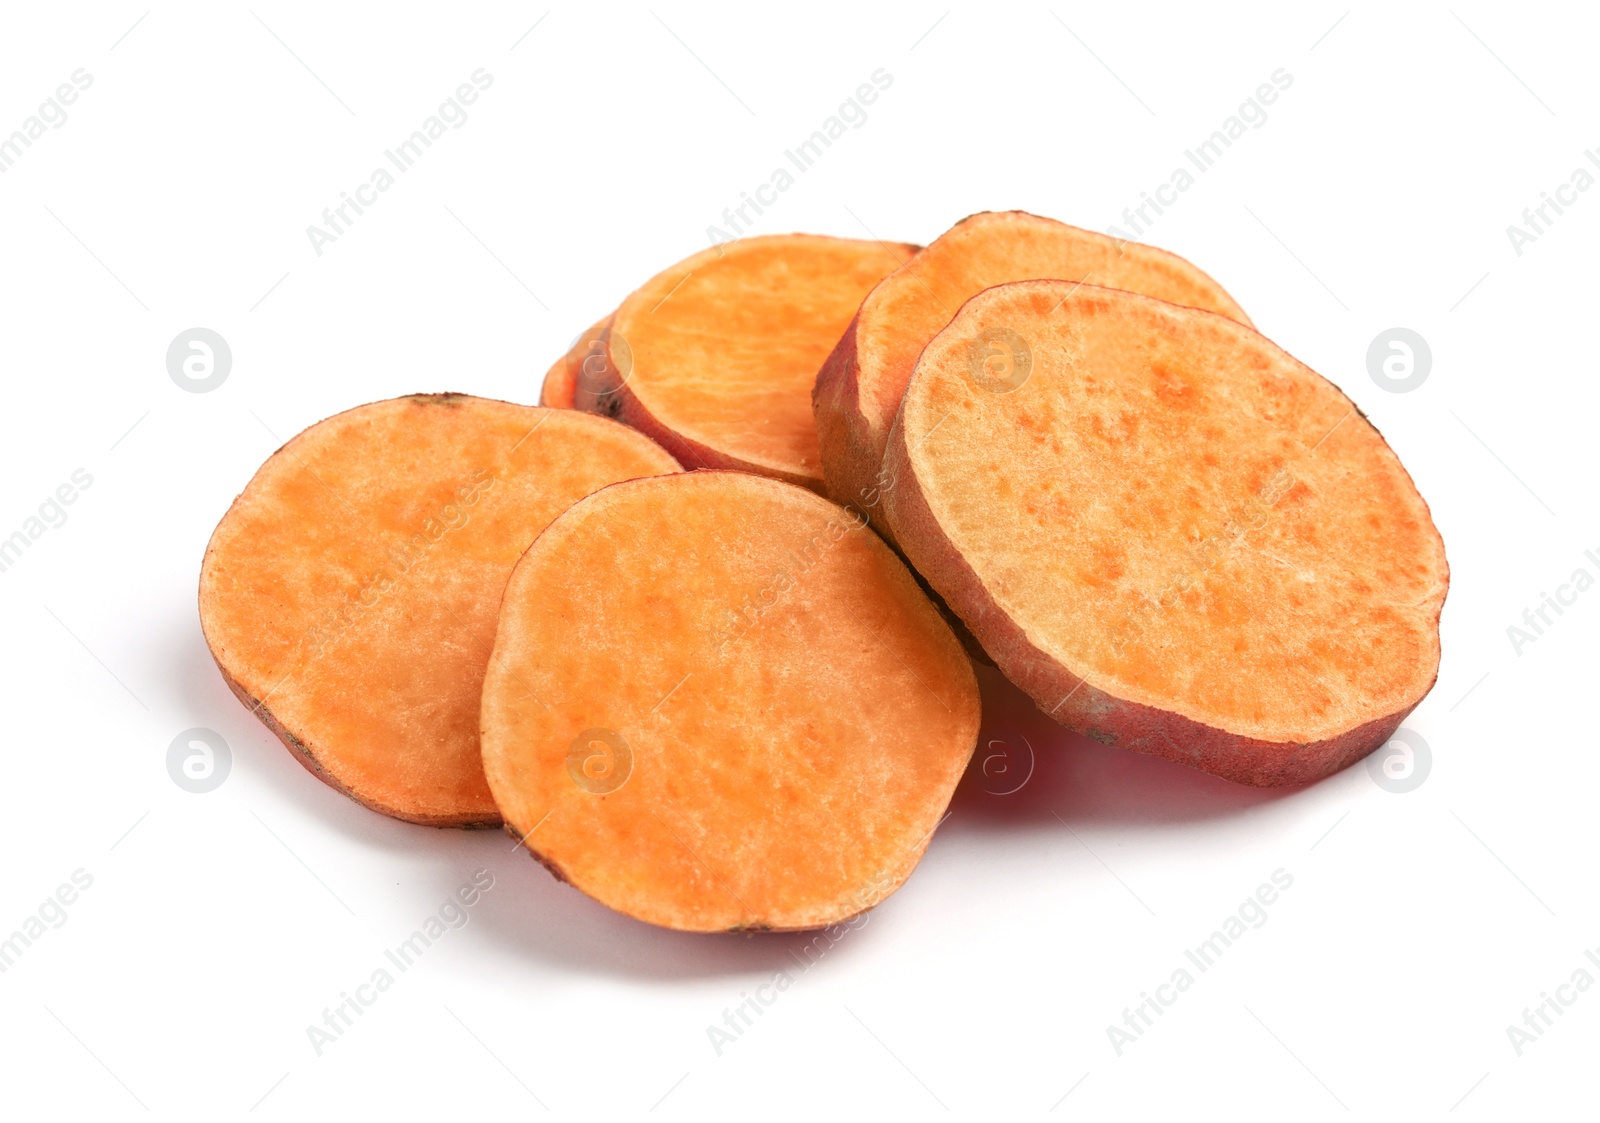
<point>1171,534</point>
<point>715,357</point>
<point>720,702</point>
<point>350,594</point>
<point>859,387</point>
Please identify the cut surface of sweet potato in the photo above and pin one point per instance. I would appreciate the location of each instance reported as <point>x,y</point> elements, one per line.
<point>859,386</point>
<point>718,701</point>
<point>1171,534</point>
<point>567,377</point>
<point>715,357</point>
<point>350,594</point>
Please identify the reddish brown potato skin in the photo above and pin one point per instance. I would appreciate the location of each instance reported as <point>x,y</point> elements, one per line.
<point>850,459</point>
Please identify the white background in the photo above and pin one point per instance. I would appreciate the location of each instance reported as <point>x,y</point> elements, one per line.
<point>219,926</point>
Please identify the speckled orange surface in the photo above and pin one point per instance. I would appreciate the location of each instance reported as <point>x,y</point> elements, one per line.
<point>350,593</point>
<point>718,701</point>
<point>1173,535</point>
<point>716,357</point>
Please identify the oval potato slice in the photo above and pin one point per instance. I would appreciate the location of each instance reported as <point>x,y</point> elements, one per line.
<point>718,701</point>
<point>350,594</point>
<point>715,357</point>
<point>859,387</point>
<point>1171,534</point>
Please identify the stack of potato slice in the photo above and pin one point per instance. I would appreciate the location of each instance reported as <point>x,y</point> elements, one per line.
<point>735,697</point>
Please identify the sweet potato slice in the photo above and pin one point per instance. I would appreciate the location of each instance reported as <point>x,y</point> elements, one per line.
<point>350,594</point>
<point>715,357</point>
<point>560,389</point>
<point>859,386</point>
<point>718,701</point>
<point>1172,535</point>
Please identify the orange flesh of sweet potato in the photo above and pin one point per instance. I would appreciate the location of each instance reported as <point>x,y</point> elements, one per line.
<point>1172,535</point>
<point>718,701</point>
<point>350,594</point>
<point>562,382</point>
<point>716,356</point>
<point>859,386</point>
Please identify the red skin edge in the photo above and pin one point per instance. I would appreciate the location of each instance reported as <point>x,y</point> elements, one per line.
<point>849,466</point>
